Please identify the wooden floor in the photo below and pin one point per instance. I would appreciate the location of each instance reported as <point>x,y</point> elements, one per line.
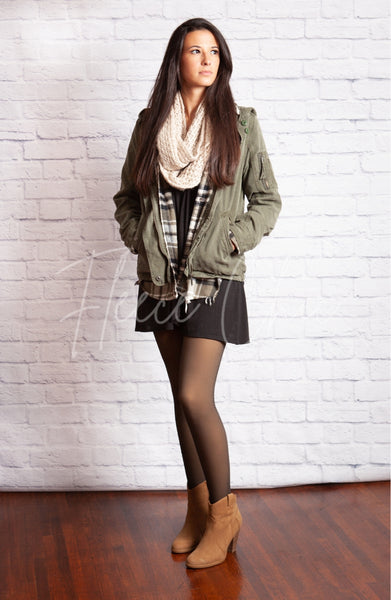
<point>317,542</point>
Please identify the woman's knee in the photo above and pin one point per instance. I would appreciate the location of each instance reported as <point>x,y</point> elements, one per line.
<point>194,403</point>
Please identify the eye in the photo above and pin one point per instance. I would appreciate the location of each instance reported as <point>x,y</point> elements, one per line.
<point>215,51</point>
<point>194,51</point>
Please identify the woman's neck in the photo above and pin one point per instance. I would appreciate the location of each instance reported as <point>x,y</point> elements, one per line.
<point>192,98</point>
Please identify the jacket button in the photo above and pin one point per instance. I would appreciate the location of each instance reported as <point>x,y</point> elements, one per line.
<point>243,123</point>
<point>157,278</point>
<point>246,130</point>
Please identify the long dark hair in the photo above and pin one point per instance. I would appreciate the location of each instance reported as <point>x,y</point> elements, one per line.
<point>219,107</point>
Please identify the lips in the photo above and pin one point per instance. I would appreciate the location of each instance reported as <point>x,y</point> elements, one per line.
<point>205,72</point>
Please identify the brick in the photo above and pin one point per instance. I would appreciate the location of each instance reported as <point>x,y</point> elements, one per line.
<point>18,353</point>
<point>337,473</point>
<point>27,10</point>
<point>339,349</point>
<point>106,456</point>
<point>338,110</point>
<point>372,473</point>
<point>155,455</point>
<point>300,433</point>
<point>16,130</point>
<point>51,131</point>
<point>337,433</point>
<point>55,210</point>
<point>337,391</point>
<point>58,478</point>
<point>57,169</point>
<point>9,458</point>
<point>101,71</point>
<point>372,434</point>
<point>13,373</point>
<point>333,9</point>
<point>350,369</point>
<point>380,413</point>
<point>336,69</point>
<point>377,347</point>
<point>371,391</point>
<point>148,477</point>
<point>379,29</point>
<point>277,475</point>
<point>62,457</point>
<point>48,373</point>
<point>56,30</point>
<point>338,454</point>
<point>380,109</point>
<point>31,436</point>
<point>362,9</point>
<point>380,454</point>
<point>379,369</point>
<point>8,230</point>
<point>13,414</point>
<point>11,150</point>
<point>323,307</point>
<point>10,110</point>
<point>53,150</point>
<point>303,9</point>
<point>378,69</point>
<point>290,412</point>
<point>120,10</point>
<point>10,331</point>
<point>101,478</point>
<point>371,89</point>
<point>22,170</point>
<point>366,287</point>
<point>332,267</point>
<point>52,109</point>
<point>103,414</point>
<point>337,413</point>
<point>12,309</point>
<point>289,30</point>
<point>108,435</point>
<point>335,28</point>
<point>64,435</point>
<point>54,352</point>
<point>48,250</point>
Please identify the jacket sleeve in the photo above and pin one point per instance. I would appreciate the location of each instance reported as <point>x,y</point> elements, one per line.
<point>261,190</point>
<point>127,199</point>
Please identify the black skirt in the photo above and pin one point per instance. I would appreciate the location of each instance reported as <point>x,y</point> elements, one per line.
<point>225,319</point>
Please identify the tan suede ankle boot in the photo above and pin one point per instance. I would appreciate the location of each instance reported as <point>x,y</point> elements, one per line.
<point>221,534</point>
<point>195,522</point>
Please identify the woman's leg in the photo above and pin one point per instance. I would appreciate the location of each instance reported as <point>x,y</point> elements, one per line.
<point>192,365</point>
<point>199,365</point>
<point>170,346</point>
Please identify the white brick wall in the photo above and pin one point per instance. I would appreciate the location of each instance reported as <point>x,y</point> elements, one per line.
<point>84,399</point>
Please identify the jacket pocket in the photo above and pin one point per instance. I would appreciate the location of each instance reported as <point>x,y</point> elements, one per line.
<point>214,252</point>
<point>266,175</point>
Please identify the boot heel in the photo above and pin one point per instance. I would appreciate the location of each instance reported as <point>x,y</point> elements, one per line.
<point>234,541</point>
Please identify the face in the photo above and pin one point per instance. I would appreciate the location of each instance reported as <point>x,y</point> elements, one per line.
<point>200,59</point>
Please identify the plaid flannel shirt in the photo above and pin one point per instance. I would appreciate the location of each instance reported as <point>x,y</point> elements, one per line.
<point>190,288</point>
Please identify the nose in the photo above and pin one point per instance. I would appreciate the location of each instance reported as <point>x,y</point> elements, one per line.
<point>206,59</point>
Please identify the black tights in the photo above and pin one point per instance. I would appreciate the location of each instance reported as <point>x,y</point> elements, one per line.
<point>192,365</point>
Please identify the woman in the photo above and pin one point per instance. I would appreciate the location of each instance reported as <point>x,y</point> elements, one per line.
<point>192,158</point>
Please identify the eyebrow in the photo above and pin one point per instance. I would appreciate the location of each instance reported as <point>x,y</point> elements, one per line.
<point>195,46</point>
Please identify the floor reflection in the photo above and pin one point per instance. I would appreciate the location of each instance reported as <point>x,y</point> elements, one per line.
<point>223,581</point>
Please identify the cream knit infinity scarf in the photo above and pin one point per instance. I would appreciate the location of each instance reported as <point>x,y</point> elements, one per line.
<point>183,154</point>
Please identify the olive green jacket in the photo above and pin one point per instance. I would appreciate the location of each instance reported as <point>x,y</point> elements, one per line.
<point>211,253</point>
